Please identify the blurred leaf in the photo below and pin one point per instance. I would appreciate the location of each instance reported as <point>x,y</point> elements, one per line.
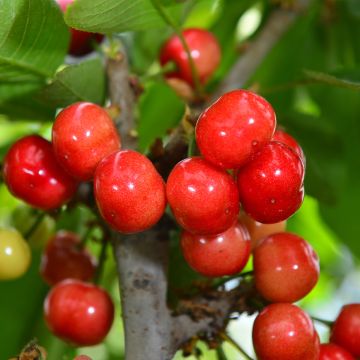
<point>204,13</point>
<point>84,81</point>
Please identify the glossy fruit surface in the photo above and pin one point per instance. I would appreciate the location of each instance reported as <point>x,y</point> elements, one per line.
<point>203,198</point>
<point>205,51</point>
<point>129,192</point>
<point>78,312</point>
<point>334,352</point>
<point>83,134</point>
<point>283,331</point>
<point>287,139</point>
<point>345,331</point>
<point>271,184</point>
<point>64,258</point>
<point>217,255</point>
<point>81,42</point>
<point>233,128</point>
<point>15,254</point>
<point>32,174</point>
<point>286,267</point>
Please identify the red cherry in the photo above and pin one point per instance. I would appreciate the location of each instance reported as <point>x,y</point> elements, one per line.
<point>82,357</point>
<point>203,198</point>
<point>285,138</point>
<point>217,255</point>
<point>64,259</point>
<point>83,134</point>
<point>79,313</point>
<point>32,174</point>
<point>334,352</point>
<point>271,184</point>
<point>81,41</point>
<point>129,191</point>
<point>283,331</point>
<point>346,330</point>
<point>234,127</point>
<point>286,267</point>
<point>205,51</point>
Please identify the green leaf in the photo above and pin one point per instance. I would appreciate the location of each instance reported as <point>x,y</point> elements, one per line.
<point>33,40</point>
<point>81,82</point>
<point>109,16</point>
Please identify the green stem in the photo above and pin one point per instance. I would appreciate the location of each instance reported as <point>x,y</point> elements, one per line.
<point>231,341</point>
<point>102,258</point>
<point>237,276</point>
<point>221,353</point>
<point>34,226</point>
<point>86,237</point>
<point>191,146</point>
<point>167,68</point>
<point>325,322</point>
<point>177,29</point>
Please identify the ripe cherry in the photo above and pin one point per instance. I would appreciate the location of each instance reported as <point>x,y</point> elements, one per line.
<point>205,51</point>
<point>345,331</point>
<point>79,313</point>
<point>203,198</point>
<point>286,267</point>
<point>64,258</point>
<point>285,138</point>
<point>129,192</point>
<point>32,174</point>
<point>83,134</point>
<point>81,41</point>
<point>334,352</point>
<point>234,128</point>
<point>283,331</point>
<point>271,184</point>
<point>217,255</point>
<point>15,254</point>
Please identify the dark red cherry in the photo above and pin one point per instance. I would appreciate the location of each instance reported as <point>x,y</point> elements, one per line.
<point>334,352</point>
<point>287,139</point>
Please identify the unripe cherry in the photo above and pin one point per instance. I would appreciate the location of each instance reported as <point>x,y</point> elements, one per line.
<point>271,184</point>
<point>287,139</point>
<point>203,198</point>
<point>129,192</point>
<point>217,255</point>
<point>83,134</point>
<point>232,129</point>
<point>334,352</point>
<point>283,331</point>
<point>286,267</point>
<point>32,174</point>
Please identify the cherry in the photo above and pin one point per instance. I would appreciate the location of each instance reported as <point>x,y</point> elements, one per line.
<point>15,254</point>
<point>129,192</point>
<point>271,184</point>
<point>345,331</point>
<point>82,357</point>
<point>334,352</point>
<point>203,198</point>
<point>283,331</point>
<point>81,41</point>
<point>205,51</point>
<point>286,267</point>
<point>235,127</point>
<point>217,255</point>
<point>285,138</point>
<point>64,258</point>
<point>83,134</point>
<point>32,174</point>
<point>79,313</point>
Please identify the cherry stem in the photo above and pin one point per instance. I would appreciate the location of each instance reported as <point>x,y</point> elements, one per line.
<point>177,29</point>
<point>191,145</point>
<point>231,341</point>
<point>322,321</point>
<point>86,237</point>
<point>35,225</point>
<point>221,353</point>
<point>167,68</point>
<point>237,276</point>
<point>102,259</point>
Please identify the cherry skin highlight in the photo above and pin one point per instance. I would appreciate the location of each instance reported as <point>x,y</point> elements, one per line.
<point>217,255</point>
<point>33,175</point>
<point>287,139</point>
<point>79,313</point>
<point>203,198</point>
<point>64,258</point>
<point>129,192</point>
<point>271,184</point>
<point>334,352</point>
<point>83,134</point>
<point>233,128</point>
<point>345,331</point>
<point>205,51</point>
<point>283,331</point>
<point>286,267</point>
<point>81,41</point>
